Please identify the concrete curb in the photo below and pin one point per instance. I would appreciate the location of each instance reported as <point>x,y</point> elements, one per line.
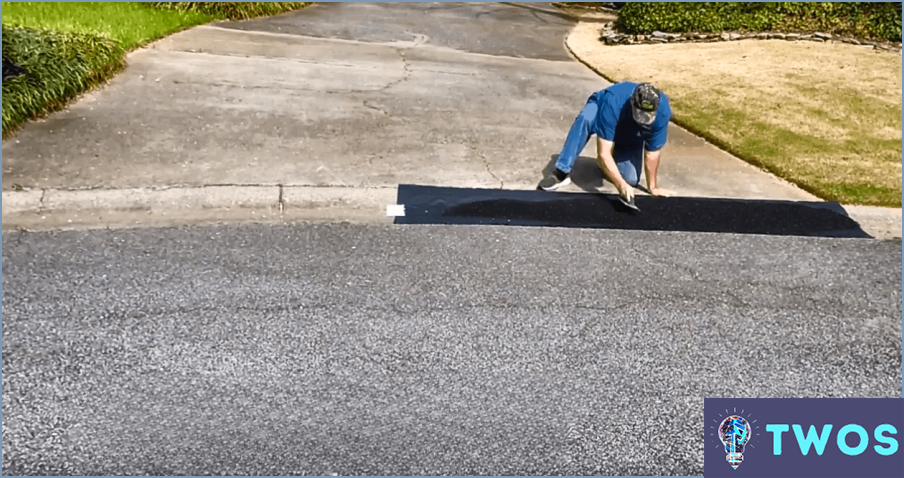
<point>55,209</point>
<point>883,223</point>
<point>21,201</point>
<point>49,209</point>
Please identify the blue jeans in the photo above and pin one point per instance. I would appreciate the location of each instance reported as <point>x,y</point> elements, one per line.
<point>628,160</point>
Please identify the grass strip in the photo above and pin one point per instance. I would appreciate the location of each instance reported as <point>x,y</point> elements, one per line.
<point>130,24</point>
<point>68,48</point>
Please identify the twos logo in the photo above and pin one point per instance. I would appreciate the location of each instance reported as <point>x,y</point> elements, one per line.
<point>804,437</point>
<point>818,441</point>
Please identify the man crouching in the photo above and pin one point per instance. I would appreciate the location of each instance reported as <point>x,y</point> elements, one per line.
<point>631,122</point>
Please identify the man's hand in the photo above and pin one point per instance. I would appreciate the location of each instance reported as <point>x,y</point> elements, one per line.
<point>610,170</point>
<point>626,191</point>
<point>661,192</point>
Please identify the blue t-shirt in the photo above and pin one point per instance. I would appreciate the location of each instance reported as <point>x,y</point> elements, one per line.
<point>616,123</point>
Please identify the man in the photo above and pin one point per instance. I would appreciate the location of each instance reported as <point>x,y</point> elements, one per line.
<point>631,122</point>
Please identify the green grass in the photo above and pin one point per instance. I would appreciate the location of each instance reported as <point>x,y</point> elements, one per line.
<point>233,10</point>
<point>60,65</point>
<point>71,47</point>
<point>130,24</point>
<point>863,168</point>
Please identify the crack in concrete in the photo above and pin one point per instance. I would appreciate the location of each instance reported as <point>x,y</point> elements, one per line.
<point>405,70</point>
<point>486,164</point>
<point>281,203</point>
<point>41,201</point>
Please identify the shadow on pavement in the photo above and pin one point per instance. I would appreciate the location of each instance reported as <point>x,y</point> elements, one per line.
<point>585,174</point>
<point>465,206</point>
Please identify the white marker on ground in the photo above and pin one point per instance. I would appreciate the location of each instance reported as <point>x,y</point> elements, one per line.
<point>394,210</point>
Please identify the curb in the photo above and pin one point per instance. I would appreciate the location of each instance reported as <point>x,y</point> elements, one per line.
<point>56,209</point>
<point>43,209</point>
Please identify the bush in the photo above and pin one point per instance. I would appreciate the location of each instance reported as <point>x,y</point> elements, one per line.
<point>64,65</point>
<point>886,20</point>
<point>644,18</point>
<point>232,10</point>
<point>869,20</point>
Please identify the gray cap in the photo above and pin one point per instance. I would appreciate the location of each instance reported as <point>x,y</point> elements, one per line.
<point>645,103</point>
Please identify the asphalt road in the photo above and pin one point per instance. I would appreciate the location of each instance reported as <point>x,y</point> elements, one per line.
<point>422,349</point>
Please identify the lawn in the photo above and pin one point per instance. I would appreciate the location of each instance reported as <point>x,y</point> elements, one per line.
<point>68,48</point>
<point>824,116</point>
<point>130,24</point>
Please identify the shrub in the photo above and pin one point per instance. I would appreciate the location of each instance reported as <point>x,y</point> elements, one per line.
<point>232,10</point>
<point>886,20</point>
<point>870,20</point>
<point>64,65</point>
<point>644,18</point>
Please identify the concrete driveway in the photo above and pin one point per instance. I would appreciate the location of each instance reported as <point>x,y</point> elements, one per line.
<point>321,113</point>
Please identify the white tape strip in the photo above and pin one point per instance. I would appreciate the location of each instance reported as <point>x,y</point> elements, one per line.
<point>394,210</point>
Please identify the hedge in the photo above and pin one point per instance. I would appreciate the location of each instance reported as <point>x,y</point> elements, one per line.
<point>862,19</point>
<point>232,10</point>
<point>59,66</point>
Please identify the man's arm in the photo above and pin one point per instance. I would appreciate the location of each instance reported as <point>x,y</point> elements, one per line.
<point>652,154</point>
<point>651,164</point>
<point>607,164</point>
<point>652,167</point>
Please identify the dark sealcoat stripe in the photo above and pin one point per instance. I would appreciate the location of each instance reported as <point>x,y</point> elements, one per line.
<point>466,206</point>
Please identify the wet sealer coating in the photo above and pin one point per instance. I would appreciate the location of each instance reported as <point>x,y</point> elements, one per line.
<point>468,206</point>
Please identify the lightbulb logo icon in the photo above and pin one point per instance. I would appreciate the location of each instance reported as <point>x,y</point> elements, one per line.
<point>734,433</point>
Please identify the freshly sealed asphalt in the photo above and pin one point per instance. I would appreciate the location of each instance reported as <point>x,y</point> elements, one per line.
<point>422,350</point>
<point>436,205</point>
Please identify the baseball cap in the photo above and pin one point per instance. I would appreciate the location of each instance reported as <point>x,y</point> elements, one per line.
<point>645,103</point>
